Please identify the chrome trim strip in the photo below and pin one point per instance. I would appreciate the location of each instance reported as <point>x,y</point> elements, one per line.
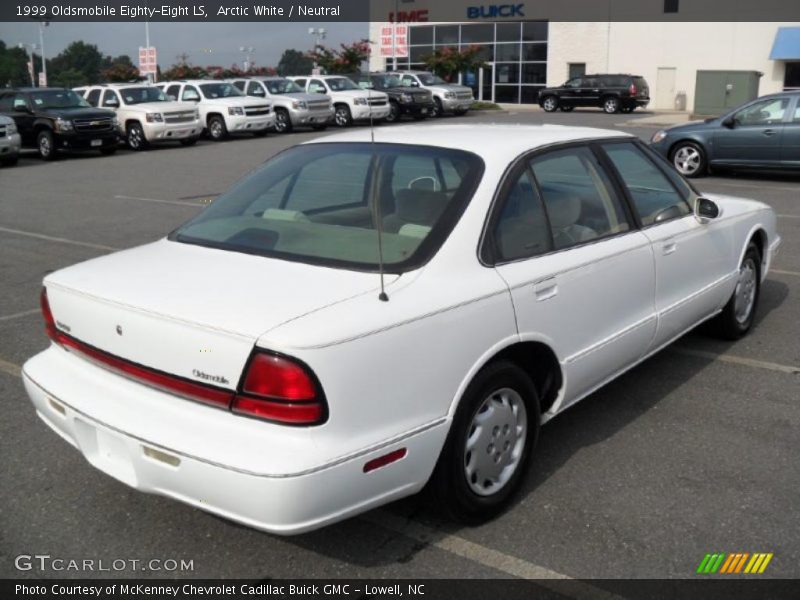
<point>613,337</point>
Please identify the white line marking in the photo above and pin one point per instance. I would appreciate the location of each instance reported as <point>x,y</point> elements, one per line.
<point>10,368</point>
<point>738,360</point>
<point>24,313</point>
<point>782,272</point>
<point>157,201</point>
<point>50,238</point>
<point>500,561</point>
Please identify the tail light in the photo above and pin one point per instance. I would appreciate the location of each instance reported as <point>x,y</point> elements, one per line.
<point>49,321</point>
<point>632,89</point>
<point>278,388</point>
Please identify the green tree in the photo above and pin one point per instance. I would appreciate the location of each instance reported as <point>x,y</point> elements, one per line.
<point>449,61</point>
<point>119,69</point>
<point>69,78</point>
<point>294,62</point>
<point>77,58</point>
<point>183,71</point>
<point>13,66</point>
<point>347,59</point>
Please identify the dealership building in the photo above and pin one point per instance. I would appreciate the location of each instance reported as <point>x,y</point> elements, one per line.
<point>719,64</point>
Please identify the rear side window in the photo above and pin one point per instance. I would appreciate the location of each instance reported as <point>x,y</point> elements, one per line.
<point>521,230</point>
<point>654,197</point>
<point>578,196</point>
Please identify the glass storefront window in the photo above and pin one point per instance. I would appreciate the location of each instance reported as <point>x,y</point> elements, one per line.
<point>507,52</point>
<point>506,72</point>
<point>530,94</point>
<point>508,32</point>
<point>446,34</point>
<point>420,35</point>
<point>418,53</point>
<point>534,31</point>
<point>534,73</point>
<point>506,94</point>
<point>534,52</point>
<point>479,33</point>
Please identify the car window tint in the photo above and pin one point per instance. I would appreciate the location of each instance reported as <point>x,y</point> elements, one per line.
<point>7,102</point>
<point>254,89</point>
<point>578,197</point>
<point>767,112</point>
<point>654,198</point>
<point>522,230</point>
<point>321,184</point>
<point>92,97</point>
<point>190,93</point>
<point>174,91</point>
<point>796,117</point>
<point>110,98</point>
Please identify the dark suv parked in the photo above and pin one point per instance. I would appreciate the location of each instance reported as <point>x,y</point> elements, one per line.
<point>52,119</point>
<point>612,93</point>
<point>403,100</point>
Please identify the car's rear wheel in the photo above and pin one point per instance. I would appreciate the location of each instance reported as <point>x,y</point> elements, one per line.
<point>689,159</point>
<point>737,317</point>
<point>394,112</point>
<point>611,105</point>
<point>489,445</point>
<point>135,137</point>
<point>217,130</point>
<point>550,104</point>
<point>438,109</point>
<point>283,122</point>
<point>46,145</point>
<point>343,117</point>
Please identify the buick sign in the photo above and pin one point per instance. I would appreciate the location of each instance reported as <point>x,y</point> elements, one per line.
<point>494,11</point>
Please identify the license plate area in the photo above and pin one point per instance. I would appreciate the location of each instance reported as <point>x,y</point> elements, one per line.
<point>106,450</point>
<point>96,143</point>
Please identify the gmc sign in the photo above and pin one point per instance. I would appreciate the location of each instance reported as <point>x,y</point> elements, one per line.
<point>411,16</point>
<point>494,11</point>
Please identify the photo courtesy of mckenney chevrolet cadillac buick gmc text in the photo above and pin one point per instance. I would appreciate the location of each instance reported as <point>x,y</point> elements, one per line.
<point>356,319</point>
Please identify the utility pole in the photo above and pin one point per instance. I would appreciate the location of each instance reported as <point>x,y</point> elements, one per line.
<point>42,25</point>
<point>319,34</point>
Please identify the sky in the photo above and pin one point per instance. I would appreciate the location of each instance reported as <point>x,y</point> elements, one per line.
<point>205,43</point>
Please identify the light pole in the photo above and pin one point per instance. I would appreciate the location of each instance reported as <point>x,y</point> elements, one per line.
<point>248,57</point>
<point>319,33</point>
<point>42,25</point>
<point>31,69</point>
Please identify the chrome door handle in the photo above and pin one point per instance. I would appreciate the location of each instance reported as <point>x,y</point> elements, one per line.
<point>769,132</point>
<point>669,247</point>
<point>544,290</point>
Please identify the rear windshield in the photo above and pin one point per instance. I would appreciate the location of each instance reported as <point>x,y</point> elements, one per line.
<point>320,204</point>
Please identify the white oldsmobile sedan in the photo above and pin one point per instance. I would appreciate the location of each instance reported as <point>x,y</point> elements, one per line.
<point>355,319</point>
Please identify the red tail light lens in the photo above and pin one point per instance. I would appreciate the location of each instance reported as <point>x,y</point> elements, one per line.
<point>280,389</point>
<point>49,321</point>
<point>632,89</point>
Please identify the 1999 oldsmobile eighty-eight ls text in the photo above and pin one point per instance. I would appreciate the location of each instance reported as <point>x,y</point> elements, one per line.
<point>253,365</point>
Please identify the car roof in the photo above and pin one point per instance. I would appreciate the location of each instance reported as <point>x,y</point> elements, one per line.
<point>193,81</point>
<point>503,141</point>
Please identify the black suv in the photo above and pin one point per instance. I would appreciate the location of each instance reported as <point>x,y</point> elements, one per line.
<point>403,100</point>
<point>612,93</point>
<point>52,119</point>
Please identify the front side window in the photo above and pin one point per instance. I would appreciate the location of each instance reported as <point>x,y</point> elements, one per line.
<point>578,197</point>
<point>110,99</point>
<point>767,112</point>
<point>140,95</point>
<point>191,94</point>
<point>654,197</point>
<point>431,79</point>
<point>319,203</point>
<point>212,91</point>
<point>93,97</point>
<point>173,92</point>
<point>315,86</point>
<point>254,89</point>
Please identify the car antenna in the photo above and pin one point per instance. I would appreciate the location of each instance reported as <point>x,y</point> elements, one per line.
<point>383,297</point>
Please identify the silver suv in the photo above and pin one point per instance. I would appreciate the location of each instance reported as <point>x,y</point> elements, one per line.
<point>447,97</point>
<point>292,105</point>
<point>10,141</point>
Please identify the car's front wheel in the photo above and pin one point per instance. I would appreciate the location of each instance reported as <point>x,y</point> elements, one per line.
<point>135,137</point>
<point>438,109</point>
<point>550,104</point>
<point>737,317</point>
<point>489,445</point>
<point>283,122</point>
<point>343,117</point>
<point>394,112</point>
<point>46,145</point>
<point>689,159</point>
<point>217,130</point>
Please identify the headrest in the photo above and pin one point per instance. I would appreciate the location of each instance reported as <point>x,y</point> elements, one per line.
<point>563,211</point>
<point>420,206</point>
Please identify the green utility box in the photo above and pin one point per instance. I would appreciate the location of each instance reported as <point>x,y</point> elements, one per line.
<point>716,92</point>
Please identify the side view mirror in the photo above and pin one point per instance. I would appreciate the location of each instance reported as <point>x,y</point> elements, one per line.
<point>729,122</point>
<point>705,210</point>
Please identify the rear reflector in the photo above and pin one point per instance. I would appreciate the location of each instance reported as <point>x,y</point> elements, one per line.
<point>169,459</point>
<point>386,459</point>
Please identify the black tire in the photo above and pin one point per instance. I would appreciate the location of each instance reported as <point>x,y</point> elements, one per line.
<point>449,484</point>
<point>342,117</point>
<point>111,150</point>
<point>550,103</point>
<point>134,136</point>
<point>689,159</point>
<point>10,161</point>
<point>438,109</point>
<point>190,141</point>
<point>611,105</point>
<point>217,130</point>
<point>394,112</point>
<point>46,145</point>
<point>567,108</point>
<point>283,122</point>
<point>736,318</point>
<point>260,132</point>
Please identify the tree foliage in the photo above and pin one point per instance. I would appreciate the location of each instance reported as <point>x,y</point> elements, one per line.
<point>183,71</point>
<point>449,61</point>
<point>79,63</point>
<point>234,70</point>
<point>347,59</point>
<point>13,66</point>
<point>294,62</point>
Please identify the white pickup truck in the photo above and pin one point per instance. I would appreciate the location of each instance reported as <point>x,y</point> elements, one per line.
<point>223,108</point>
<point>145,114</point>
<point>292,105</point>
<point>350,102</point>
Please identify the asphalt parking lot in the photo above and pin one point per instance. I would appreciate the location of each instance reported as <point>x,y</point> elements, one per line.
<point>694,451</point>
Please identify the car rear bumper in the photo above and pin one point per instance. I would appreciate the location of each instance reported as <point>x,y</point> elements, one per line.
<point>214,460</point>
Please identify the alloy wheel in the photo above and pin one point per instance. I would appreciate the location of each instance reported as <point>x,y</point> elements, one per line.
<point>745,294</point>
<point>687,160</point>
